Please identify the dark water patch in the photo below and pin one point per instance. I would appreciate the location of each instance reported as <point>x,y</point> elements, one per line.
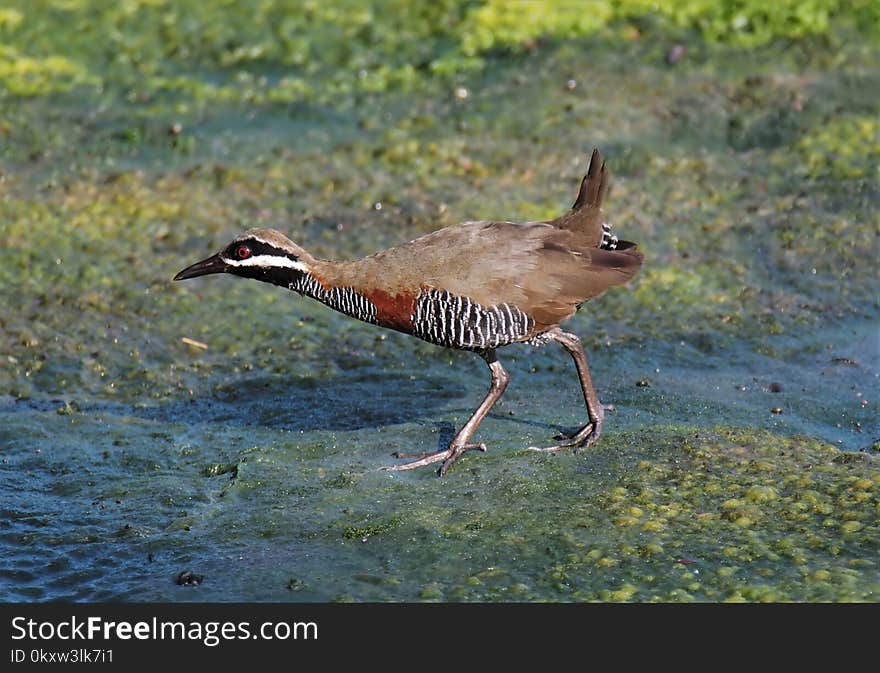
<point>294,403</point>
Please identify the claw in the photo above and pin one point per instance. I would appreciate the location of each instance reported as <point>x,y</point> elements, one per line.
<point>586,436</point>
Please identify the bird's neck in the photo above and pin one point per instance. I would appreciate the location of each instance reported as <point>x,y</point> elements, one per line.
<point>327,282</point>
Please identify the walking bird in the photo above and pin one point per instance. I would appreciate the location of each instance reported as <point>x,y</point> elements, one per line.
<point>473,286</point>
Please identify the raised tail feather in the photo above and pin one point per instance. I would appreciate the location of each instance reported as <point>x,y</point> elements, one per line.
<point>585,216</point>
<point>594,185</point>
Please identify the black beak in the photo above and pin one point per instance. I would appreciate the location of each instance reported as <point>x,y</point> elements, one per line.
<point>214,264</point>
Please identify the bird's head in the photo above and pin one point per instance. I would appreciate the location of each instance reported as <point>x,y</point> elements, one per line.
<point>263,254</point>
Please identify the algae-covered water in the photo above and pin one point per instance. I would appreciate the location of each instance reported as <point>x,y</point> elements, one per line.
<point>740,459</point>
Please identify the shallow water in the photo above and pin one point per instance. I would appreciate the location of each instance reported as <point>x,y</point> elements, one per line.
<point>739,461</point>
<point>267,486</point>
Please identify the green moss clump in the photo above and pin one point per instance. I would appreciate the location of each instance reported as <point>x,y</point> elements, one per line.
<point>748,23</point>
<point>843,149</point>
<point>26,76</point>
<point>370,528</point>
<point>342,480</point>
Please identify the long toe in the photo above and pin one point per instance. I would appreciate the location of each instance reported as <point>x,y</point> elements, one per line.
<point>559,436</point>
<point>448,456</point>
<point>426,459</point>
<point>586,436</point>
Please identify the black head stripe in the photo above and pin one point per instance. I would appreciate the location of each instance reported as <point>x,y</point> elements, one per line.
<point>258,247</point>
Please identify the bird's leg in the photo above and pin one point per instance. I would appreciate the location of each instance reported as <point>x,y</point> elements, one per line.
<point>461,442</point>
<point>590,432</point>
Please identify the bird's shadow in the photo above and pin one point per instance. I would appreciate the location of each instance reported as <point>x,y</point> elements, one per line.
<point>303,403</point>
<point>310,403</point>
<point>446,431</point>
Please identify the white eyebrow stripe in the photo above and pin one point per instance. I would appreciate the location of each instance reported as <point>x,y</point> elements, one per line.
<point>268,260</point>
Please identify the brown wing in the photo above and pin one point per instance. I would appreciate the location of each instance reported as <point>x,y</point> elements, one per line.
<point>485,261</point>
<point>546,272</point>
<point>572,273</point>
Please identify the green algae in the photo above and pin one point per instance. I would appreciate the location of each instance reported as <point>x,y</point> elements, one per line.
<point>847,148</point>
<point>25,76</point>
<point>281,52</point>
<point>747,176</point>
<point>369,528</point>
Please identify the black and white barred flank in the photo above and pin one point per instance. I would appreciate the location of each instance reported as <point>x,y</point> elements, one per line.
<point>457,322</point>
<point>440,317</point>
<point>609,240</point>
<point>343,299</point>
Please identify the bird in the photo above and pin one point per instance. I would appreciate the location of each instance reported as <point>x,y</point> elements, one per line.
<point>474,286</point>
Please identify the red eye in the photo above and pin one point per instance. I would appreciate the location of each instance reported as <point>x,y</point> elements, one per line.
<point>242,252</point>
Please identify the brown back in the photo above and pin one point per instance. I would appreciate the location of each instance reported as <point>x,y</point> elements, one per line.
<point>546,269</point>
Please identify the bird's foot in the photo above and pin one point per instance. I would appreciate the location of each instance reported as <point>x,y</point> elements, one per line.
<point>448,456</point>
<point>586,436</point>
<point>571,435</point>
